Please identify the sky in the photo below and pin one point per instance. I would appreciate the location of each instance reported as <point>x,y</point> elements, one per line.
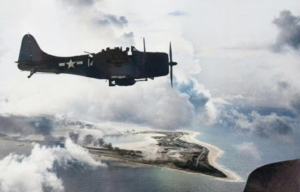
<point>238,65</point>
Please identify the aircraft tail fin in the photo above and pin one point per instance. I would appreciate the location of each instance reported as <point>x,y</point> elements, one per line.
<point>30,50</point>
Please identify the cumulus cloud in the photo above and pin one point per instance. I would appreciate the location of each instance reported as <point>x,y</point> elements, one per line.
<point>153,103</point>
<point>129,38</point>
<point>289,31</point>
<point>201,100</point>
<point>109,19</point>
<point>248,149</point>
<point>171,111</point>
<point>267,126</point>
<point>290,94</point>
<point>12,124</point>
<point>36,172</point>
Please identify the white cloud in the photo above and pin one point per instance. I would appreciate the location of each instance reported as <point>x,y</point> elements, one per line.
<point>248,149</point>
<point>35,172</point>
<point>152,153</point>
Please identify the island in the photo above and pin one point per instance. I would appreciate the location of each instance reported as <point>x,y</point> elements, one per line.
<point>172,150</point>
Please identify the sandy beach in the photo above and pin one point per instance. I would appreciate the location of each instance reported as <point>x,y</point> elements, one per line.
<point>214,154</point>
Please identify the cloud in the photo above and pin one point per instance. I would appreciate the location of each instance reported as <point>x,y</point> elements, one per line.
<point>12,124</point>
<point>289,31</point>
<point>266,126</point>
<point>139,105</point>
<point>109,19</point>
<point>290,94</point>
<point>270,125</point>
<point>201,100</point>
<point>74,136</point>
<point>42,125</point>
<point>152,153</point>
<point>36,172</point>
<point>129,38</point>
<point>81,2</point>
<point>177,13</point>
<point>283,85</point>
<point>126,39</point>
<point>248,149</point>
<point>173,110</point>
<point>295,103</point>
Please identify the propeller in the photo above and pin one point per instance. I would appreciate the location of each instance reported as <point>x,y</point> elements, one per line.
<point>171,65</point>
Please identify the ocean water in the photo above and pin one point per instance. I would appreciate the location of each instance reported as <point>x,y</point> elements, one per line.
<point>141,179</point>
<point>270,150</point>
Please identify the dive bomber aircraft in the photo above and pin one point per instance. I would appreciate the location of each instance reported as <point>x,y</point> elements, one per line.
<point>114,65</point>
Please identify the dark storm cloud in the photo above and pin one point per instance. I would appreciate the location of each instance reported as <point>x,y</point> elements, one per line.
<point>114,20</point>
<point>26,125</point>
<point>177,13</point>
<point>289,31</point>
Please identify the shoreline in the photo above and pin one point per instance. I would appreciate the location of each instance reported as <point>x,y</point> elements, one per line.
<point>214,154</point>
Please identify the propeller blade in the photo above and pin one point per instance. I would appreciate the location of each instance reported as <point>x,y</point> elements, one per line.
<point>171,65</point>
<point>171,75</point>
<point>144,44</point>
<point>170,53</point>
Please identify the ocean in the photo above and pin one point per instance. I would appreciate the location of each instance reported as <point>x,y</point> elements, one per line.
<point>141,179</point>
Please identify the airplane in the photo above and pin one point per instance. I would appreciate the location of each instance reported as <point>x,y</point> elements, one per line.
<point>114,65</point>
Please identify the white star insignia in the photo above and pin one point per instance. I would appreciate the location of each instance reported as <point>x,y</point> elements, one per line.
<point>70,64</point>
